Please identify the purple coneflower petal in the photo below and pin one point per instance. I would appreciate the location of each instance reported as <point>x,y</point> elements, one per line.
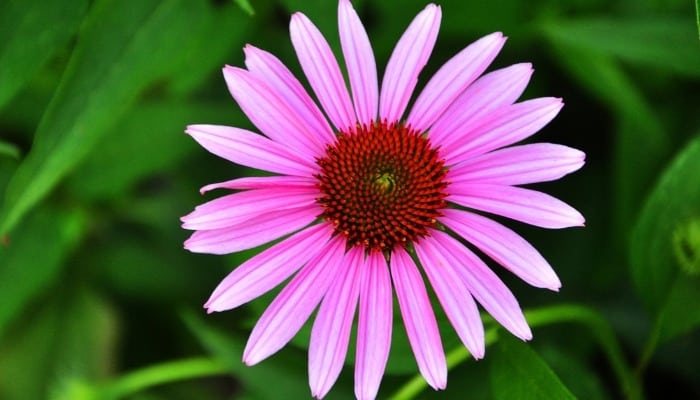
<point>322,70</point>
<point>419,320</point>
<point>519,165</point>
<point>250,149</point>
<point>452,79</point>
<point>277,75</point>
<point>262,182</point>
<point>503,245</point>
<point>504,126</point>
<point>271,113</point>
<point>331,331</point>
<point>292,307</point>
<point>484,285</point>
<point>490,92</point>
<point>525,205</point>
<point>268,269</point>
<point>359,60</point>
<point>252,232</point>
<point>453,295</point>
<point>231,209</point>
<point>407,60</point>
<point>374,326</point>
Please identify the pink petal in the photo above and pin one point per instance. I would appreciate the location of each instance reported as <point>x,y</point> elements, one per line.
<point>277,75</point>
<point>268,269</point>
<point>503,127</point>
<point>503,245</point>
<point>490,92</point>
<point>453,295</point>
<point>486,287</point>
<point>359,60</point>
<point>295,303</point>
<point>331,331</point>
<point>252,232</point>
<point>374,326</point>
<point>250,149</point>
<point>451,80</point>
<point>407,60</point>
<point>525,205</point>
<point>271,113</point>
<point>519,165</point>
<point>419,320</point>
<point>322,70</point>
<point>263,182</point>
<point>234,208</point>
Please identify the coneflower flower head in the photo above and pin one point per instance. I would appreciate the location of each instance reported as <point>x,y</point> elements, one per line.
<point>361,197</point>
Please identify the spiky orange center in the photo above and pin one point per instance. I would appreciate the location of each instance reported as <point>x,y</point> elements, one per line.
<point>382,185</point>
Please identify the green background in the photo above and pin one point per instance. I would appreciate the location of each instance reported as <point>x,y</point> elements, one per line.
<point>99,300</point>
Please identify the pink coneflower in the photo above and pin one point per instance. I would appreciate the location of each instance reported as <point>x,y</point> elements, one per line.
<point>358,206</point>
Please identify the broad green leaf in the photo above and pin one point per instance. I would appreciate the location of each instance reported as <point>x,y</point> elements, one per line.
<point>72,337</point>
<point>581,379</point>
<point>118,55</point>
<point>662,42</point>
<point>601,330</point>
<point>151,137</point>
<point>287,370</point>
<point>676,317</point>
<point>33,256</point>
<point>30,33</point>
<point>232,29</point>
<point>669,215</point>
<point>518,372</point>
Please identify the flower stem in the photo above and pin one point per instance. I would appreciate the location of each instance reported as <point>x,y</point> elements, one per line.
<point>162,373</point>
<point>649,349</point>
<point>455,357</point>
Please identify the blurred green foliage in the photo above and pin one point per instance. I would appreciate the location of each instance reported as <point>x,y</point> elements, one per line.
<point>99,300</point>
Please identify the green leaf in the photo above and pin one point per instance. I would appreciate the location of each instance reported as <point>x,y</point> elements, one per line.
<point>659,42</point>
<point>518,372</point>
<point>641,142</point>
<point>669,215</point>
<point>151,137</point>
<point>232,29</point>
<point>26,272</point>
<point>578,377</point>
<point>9,150</point>
<point>30,33</point>
<point>245,6</point>
<point>677,317</point>
<point>111,65</point>
<point>600,328</point>
<point>686,246</point>
<point>697,16</point>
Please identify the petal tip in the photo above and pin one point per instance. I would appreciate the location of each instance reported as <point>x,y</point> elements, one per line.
<point>525,334</point>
